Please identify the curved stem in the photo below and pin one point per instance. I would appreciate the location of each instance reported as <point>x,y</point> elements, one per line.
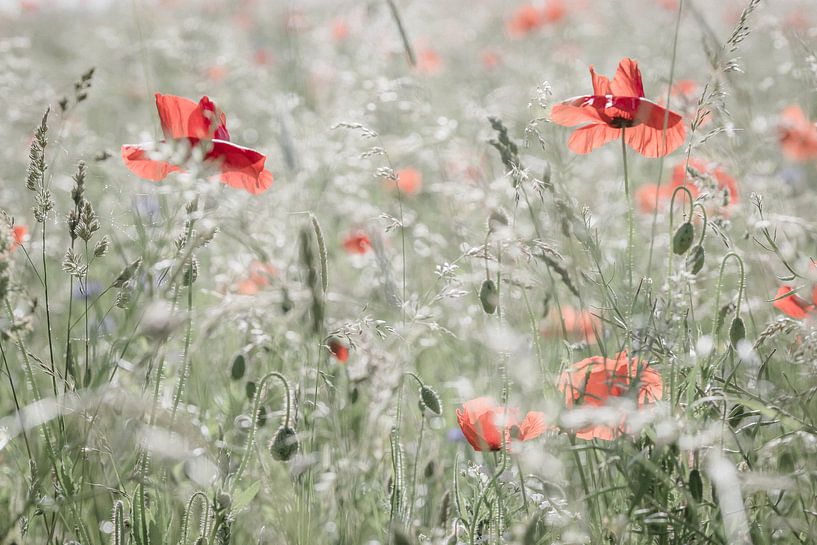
<point>205,506</point>
<point>715,328</point>
<point>706,221</point>
<point>259,395</point>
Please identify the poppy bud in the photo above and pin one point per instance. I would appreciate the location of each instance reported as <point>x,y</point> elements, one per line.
<point>429,400</point>
<point>682,239</point>
<point>249,389</point>
<point>736,415</point>
<point>223,501</point>
<point>284,445</point>
<point>695,259</point>
<point>399,538</point>
<point>488,296</point>
<point>238,368</point>
<point>696,487</point>
<point>497,219</point>
<point>191,273</point>
<point>737,331</point>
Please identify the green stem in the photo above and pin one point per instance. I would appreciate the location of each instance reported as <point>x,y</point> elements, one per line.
<point>630,226</point>
<point>259,395</point>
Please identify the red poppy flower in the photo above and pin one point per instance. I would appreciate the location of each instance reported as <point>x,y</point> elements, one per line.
<point>482,422</point>
<point>798,136</point>
<point>579,324</point>
<point>615,106</point>
<point>596,381</point>
<point>199,125</point>
<point>409,180</point>
<point>554,11</point>
<point>357,243</point>
<point>18,234</point>
<point>793,305</point>
<point>524,20</point>
<point>646,194</point>
<point>260,275</point>
<point>340,30</point>
<point>338,349</point>
<point>429,61</point>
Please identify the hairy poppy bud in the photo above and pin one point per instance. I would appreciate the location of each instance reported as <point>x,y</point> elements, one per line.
<point>284,445</point>
<point>682,240</point>
<point>223,501</point>
<point>238,368</point>
<point>696,487</point>
<point>191,273</point>
<point>497,219</point>
<point>488,296</point>
<point>737,331</point>
<point>430,401</point>
<point>695,259</point>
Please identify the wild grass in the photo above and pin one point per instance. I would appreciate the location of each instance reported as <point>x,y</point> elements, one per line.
<point>186,363</point>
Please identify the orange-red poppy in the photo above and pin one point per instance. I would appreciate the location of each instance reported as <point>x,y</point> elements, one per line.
<point>338,349</point>
<point>596,381</point>
<point>616,106</point>
<point>18,236</point>
<point>578,324</point>
<point>528,17</point>
<point>798,135</point>
<point>357,242</point>
<point>525,19</point>
<point>259,276</point>
<point>340,30</point>
<point>199,125</point>
<point>409,180</point>
<point>646,195</point>
<point>482,422</point>
<point>793,305</point>
<point>429,61</point>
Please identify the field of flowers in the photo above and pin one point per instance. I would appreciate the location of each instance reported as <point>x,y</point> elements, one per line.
<point>391,272</point>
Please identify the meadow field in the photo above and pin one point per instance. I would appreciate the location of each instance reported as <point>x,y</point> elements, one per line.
<point>391,272</point>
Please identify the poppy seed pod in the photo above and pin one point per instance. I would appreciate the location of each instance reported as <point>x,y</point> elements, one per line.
<point>682,240</point>
<point>429,400</point>
<point>284,444</point>
<point>488,296</point>
<point>737,331</point>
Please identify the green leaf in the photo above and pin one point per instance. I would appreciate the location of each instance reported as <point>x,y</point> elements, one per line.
<point>243,498</point>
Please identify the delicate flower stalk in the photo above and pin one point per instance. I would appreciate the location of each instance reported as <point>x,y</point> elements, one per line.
<point>259,395</point>
<point>119,535</point>
<point>188,513</point>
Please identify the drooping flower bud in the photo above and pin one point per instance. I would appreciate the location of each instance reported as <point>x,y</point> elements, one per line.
<point>488,296</point>
<point>430,400</point>
<point>682,240</point>
<point>284,444</point>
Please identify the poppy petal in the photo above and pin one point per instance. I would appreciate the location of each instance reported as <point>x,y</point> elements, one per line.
<point>174,115</point>
<point>627,81</point>
<point>137,159</point>
<point>650,142</point>
<point>601,85</point>
<point>790,304</point>
<point>586,139</point>
<point>200,123</point>
<point>532,426</point>
<point>242,168</point>
<point>567,114</point>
